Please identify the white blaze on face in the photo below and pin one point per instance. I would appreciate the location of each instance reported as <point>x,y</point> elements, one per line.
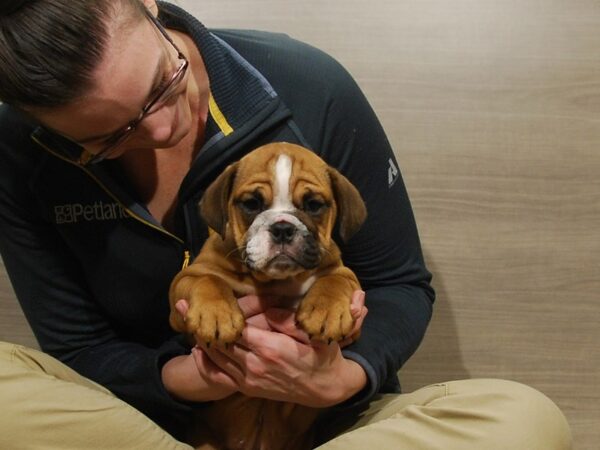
<point>282,200</point>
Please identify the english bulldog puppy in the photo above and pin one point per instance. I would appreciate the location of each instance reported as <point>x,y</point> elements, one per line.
<point>271,216</point>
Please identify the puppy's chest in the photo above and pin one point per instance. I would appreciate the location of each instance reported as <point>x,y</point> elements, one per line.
<point>293,290</point>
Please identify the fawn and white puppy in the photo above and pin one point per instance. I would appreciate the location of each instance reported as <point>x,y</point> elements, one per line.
<point>271,216</point>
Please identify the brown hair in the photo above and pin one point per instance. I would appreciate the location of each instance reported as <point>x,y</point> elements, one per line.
<point>50,48</point>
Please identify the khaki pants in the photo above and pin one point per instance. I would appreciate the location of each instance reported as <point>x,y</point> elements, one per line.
<point>46,405</point>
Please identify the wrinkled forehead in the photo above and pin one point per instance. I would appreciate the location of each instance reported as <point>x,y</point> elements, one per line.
<point>285,175</point>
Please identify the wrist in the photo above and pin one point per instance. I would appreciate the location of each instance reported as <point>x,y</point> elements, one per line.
<point>182,380</point>
<point>348,379</point>
<point>176,376</point>
<point>170,375</point>
<point>355,379</point>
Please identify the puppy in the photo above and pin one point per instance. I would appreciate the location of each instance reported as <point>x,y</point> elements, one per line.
<point>271,216</point>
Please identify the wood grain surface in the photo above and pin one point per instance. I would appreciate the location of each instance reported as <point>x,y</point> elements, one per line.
<point>493,109</point>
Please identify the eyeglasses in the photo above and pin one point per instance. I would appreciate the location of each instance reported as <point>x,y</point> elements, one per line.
<point>156,103</point>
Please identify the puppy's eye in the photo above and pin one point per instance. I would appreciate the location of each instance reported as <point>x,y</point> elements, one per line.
<point>252,205</point>
<point>313,206</point>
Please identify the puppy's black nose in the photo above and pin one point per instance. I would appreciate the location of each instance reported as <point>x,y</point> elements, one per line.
<point>282,232</point>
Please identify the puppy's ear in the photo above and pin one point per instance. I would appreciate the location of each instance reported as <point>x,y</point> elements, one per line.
<point>214,203</point>
<point>352,211</point>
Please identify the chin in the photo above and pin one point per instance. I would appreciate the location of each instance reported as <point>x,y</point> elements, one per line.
<point>182,128</point>
<point>178,133</point>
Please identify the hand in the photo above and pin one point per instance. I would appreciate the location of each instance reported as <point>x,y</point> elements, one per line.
<point>195,377</point>
<point>275,359</point>
<point>259,310</point>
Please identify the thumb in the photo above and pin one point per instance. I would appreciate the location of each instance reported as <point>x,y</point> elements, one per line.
<point>182,307</point>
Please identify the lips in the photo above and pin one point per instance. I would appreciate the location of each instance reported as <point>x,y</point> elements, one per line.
<point>283,261</point>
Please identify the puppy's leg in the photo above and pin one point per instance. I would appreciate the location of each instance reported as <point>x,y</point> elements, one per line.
<point>214,316</point>
<point>324,313</point>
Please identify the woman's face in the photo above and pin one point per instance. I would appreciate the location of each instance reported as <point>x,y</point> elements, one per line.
<point>138,61</point>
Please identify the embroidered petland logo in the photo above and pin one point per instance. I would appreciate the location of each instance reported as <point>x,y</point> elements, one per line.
<point>79,212</point>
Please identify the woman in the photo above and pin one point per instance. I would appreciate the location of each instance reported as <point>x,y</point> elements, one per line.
<point>114,124</point>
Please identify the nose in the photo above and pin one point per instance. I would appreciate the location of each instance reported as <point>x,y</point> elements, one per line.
<point>282,232</point>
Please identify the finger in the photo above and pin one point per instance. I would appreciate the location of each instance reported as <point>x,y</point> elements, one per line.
<point>351,339</point>
<point>210,370</point>
<point>225,363</point>
<point>359,312</point>
<point>259,321</point>
<point>284,321</point>
<point>182,307</point>
<point>353,335</point>
<point>346,342</point>
<point>358,309</point>
<point>357,303</point>
<point>237,354</point>
<point>259,342</point>
<point>360,319</point>
<point>252,305</point>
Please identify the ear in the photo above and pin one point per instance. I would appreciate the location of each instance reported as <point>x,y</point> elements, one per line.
<point>152,6</point>
<point>352,211</point>
<point>214,203</point>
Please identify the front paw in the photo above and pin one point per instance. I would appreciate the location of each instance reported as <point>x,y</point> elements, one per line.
<point>215,322</point>
<point>325,320</point>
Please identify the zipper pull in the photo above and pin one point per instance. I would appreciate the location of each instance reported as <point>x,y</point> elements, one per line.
<point>186,259</point>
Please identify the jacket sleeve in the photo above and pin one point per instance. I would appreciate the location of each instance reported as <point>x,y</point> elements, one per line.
<point>65,318</point>
<point>386,253</point>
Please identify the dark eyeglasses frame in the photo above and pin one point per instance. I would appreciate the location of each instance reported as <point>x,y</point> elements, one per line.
<point>120,136</point>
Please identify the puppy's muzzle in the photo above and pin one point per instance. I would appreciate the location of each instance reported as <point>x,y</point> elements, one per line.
<point>289,241</point>
<point>281,245</point>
